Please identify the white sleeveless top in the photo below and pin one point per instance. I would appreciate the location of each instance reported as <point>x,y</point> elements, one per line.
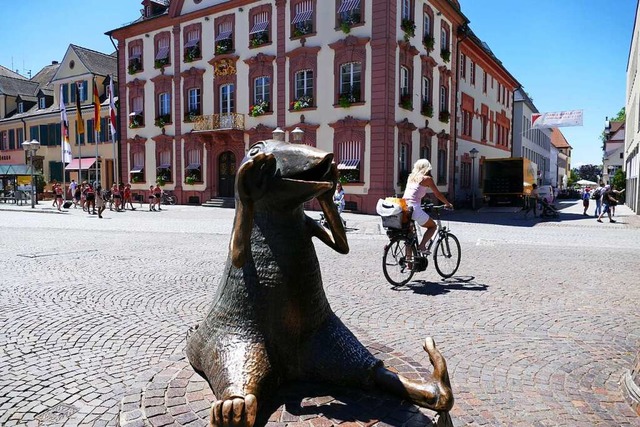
<point>413,193</point>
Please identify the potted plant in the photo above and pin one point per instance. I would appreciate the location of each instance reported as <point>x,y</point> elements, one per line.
<point>445,54</point>
<point>134,66</point>
<point>259,39</point>
<point>258,109</point>
<point>444,116</point>
<point>223,46</point>
<point>406,102</point>
<point>160,63</point>
<point>301,29</point>
<point>161,121</point>
<point>191,116</point>
<point>135,178</point>
<point>135,122</point>
<point>428,41</point>
<point>191,179</point>
<point>161,180</point>
<point>304,101</point>
<point>427,109</point>
<point>409,28</point>
<point>192,53</point>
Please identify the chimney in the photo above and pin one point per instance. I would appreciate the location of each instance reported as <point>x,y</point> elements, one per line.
<point>54,62</point>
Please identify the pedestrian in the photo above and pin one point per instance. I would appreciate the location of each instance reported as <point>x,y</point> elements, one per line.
<point>586,195</point>
<point>77,195</point>
<point>90,199</point>
<point>616,193</point>
<point>532,202</point>
<point>597,196</point>
<point>127,197</point>
<point>54,185</point>
<point>72,188</point>
<point>157,193</point>
<point>608,199</point>
<point>58,196</point>
<point>152,199</point>
<point>117,197</point>
<point>100,205</point>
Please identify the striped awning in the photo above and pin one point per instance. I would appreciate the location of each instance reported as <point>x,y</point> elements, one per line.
<point>348,5</point>
<point>163,53</point>
<point>137,169</point>
<point>192,43</point>
<point>259,27</point>
<point>193,166</point>
<point>351,164</point>
<point>76,164</point>
<point>224,35</point>
<point>305,15</point>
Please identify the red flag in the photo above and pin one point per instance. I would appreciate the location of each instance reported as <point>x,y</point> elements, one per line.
<point>96,106</point>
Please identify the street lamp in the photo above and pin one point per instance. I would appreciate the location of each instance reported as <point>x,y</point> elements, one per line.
<point>31,148</point>
<point>473,153</point>
<point>296,135</point>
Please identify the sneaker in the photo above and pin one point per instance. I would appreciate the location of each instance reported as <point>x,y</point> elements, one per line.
<point>612,220</point>
<point>599,220</point>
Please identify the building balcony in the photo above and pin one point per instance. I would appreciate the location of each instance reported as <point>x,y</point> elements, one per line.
<point>226,121</point>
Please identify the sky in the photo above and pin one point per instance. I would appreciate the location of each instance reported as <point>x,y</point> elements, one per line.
<point>567,54</point>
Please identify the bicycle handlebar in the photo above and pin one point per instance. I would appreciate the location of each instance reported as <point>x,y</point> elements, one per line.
<point>435,207</point>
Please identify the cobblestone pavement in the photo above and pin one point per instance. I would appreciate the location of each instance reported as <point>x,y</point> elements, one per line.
<point>538,328</point>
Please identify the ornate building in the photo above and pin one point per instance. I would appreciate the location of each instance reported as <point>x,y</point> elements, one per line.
<point>372,81</point>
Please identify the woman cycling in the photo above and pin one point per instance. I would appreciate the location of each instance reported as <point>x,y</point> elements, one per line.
<point>418,183</point>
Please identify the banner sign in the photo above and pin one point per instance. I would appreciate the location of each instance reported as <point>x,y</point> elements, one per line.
<point>557,119</point>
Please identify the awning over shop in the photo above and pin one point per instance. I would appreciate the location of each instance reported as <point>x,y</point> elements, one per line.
<point>76,163</point>
<point>351,164</point>
<point>16,170</point>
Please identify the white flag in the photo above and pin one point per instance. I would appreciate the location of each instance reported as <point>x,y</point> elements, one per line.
<point>64,131</point>
<point>112,109</point>
<point>557,119</point>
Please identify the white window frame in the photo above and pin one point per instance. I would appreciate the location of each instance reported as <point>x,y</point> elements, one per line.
<point>352,70</point>
<point>406,9</point>
<point>444,39</point>
<point>42,103</point>
<point>426,22</point>
<point>303,83</point>
<point>164,104</point>
<point>226,98</point>
<point>193,100</point>
<point>443,99</point>
<point>261,89</point>
<point>404,80</point>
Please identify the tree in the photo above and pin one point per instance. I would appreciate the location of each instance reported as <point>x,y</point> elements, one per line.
<point>589,172</point>
<point>573,178</point>
<point>619,181</point>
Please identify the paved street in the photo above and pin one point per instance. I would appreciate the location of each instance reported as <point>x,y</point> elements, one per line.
<point>538,327</point>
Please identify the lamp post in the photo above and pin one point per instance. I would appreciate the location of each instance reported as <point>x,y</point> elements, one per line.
<point>31,147</point>
<point>296,135</point>
<point>473,153</point>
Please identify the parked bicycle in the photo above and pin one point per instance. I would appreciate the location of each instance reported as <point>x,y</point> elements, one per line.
<point>401,258</point>
<point>167,198</point>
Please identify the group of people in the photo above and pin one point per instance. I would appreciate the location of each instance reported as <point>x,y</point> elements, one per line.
<point>606,199</point>
<point>93,199</point>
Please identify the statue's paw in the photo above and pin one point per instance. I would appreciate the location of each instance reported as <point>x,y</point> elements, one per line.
<point>440,375</point>
<point>234,412</point>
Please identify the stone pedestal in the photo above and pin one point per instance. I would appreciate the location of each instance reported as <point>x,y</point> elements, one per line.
<point>632,385</point>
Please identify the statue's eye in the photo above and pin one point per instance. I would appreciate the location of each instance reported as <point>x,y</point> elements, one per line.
<point>255,149</point>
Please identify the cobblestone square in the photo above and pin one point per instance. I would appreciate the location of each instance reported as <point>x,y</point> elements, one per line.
<point>539,326</point>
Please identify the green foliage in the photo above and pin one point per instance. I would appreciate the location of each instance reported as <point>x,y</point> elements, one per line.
<point>573,177</point>
<point>619,181</point>
<point>621,116</point>
<point>589,172</point>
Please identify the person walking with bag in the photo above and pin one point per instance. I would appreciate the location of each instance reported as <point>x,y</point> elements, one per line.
<point>597,196</point>
<point>608,199</point>
<point>586,195</point>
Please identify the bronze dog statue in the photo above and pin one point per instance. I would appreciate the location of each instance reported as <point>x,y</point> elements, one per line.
<point>270,319</point>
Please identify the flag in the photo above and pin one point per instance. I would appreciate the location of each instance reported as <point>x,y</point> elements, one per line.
<point>79,111</point>
<point>112,109</point>
<point>96,107</point>
<point>557,119</point>
<point>64,126</point>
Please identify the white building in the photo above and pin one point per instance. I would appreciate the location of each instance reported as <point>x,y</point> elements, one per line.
<point>631,156</point>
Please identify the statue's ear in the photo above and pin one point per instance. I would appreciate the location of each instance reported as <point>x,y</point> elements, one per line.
<point>240,245</point>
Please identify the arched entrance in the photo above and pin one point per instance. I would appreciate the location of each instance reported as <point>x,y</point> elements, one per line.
<point>226,174</point>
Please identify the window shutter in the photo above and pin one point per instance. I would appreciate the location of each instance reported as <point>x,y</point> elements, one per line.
<point>12,139</point>
<point>55,170</point>
<point>44,135</point>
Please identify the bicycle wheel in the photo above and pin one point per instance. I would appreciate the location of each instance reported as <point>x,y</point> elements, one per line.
<point>171,200</point>
<point>446,256</point>
<point>397,267</point>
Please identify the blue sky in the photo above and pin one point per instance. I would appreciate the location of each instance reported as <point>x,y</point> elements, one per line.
<point>568,54</point>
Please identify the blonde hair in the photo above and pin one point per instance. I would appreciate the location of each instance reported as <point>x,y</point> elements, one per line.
<point>421,169</point>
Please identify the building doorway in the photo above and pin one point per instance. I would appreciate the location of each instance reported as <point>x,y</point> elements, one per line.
<point>226,174</point>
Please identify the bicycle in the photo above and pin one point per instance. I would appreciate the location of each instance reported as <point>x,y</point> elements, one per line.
<point>401,258</point>
<point>167,198</point>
